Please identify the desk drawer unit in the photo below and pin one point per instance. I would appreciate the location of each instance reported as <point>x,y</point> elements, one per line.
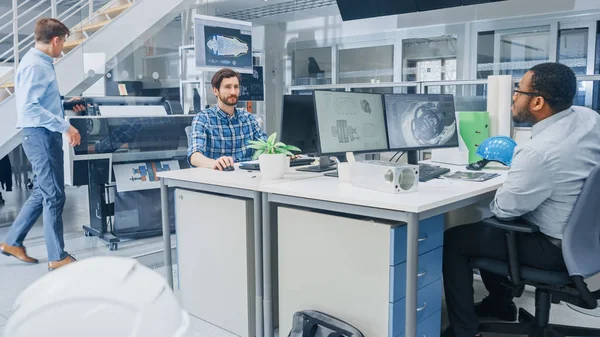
<point>355,269</point>
<point>215,250</point>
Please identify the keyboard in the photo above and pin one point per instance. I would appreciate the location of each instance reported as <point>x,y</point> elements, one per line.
<point>428,172</point>
<point>294,162</point>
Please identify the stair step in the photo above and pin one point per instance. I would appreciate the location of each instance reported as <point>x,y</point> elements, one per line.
<point>72,44</point>
<point>92,27</point>
<point>116,10</point>
<point>8,85</point>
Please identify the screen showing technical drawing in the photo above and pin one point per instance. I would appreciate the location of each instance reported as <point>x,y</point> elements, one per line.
<point>350,122</point>
<point>252,86</point>
<point>420,121</point>
<point>222,43</point>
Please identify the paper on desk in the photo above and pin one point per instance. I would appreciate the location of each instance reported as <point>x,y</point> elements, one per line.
<point>132,110</point>
<point>141,175</point>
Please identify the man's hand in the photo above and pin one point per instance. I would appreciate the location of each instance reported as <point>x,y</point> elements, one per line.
<point>222,163</point>
<point>79,107</point>
<point>73,136</point>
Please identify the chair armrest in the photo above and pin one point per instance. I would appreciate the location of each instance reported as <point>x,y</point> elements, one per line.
<point>516,225</point>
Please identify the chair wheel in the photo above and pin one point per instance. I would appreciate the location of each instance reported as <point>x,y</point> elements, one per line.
<point>88,234</point>
<point>114,246</point>
<point>2,201</point>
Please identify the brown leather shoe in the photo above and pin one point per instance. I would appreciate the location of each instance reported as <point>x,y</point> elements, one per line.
<point>18,252</point>
<point>57,264</point>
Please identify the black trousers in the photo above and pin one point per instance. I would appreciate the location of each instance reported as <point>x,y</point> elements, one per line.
<point>477,240</point>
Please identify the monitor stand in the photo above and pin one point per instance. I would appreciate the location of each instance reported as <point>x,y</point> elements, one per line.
<point>325,164</point>
<point>412,157</point>
<point>341,159</point>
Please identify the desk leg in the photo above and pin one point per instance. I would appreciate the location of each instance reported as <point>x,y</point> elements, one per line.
<point>267,275</point>
<point>412,254</point>
<point>258,262</point>
<point>164,205</point>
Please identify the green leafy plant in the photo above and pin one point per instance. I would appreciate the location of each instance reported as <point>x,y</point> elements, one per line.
<point>269,146</point>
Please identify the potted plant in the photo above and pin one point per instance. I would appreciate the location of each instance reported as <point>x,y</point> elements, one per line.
<point>272,156</point>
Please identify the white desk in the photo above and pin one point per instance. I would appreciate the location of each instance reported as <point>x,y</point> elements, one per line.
<point>433,198</point>
<point>313,191</point>
<point>238,184</point>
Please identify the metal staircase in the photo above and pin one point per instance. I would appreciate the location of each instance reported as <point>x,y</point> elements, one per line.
<point>106,31</point>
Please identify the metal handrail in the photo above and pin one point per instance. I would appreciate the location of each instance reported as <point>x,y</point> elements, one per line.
<point>69,9</point>
<point>31,9</point>
<point>70,15</point>
<point>11,10</point>
<point>62,16</point>
<point>19,16</point>
<point>35,18</point>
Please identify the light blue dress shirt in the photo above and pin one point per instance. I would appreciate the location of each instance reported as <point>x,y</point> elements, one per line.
<point>38,100</point>
<point>548,171</point>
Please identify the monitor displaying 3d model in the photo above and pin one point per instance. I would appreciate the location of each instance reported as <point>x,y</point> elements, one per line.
<point>417,121</point>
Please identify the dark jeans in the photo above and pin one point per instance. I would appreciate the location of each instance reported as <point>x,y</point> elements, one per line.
<point>477,240</point>
<point>44,150</point>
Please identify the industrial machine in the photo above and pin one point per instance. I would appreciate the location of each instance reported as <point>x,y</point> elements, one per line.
<point>119,159</point>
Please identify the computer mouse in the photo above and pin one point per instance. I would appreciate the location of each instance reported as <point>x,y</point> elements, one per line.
<point>229,168</point>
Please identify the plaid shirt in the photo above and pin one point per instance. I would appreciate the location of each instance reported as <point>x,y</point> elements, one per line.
<point>216,134</point>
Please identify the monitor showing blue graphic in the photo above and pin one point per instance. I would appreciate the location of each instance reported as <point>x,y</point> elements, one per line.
<point>417,121</point>
<point>350,122</point>
<point>252,86</point>
<point>222,43</point>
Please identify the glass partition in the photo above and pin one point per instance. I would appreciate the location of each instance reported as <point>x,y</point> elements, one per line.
<point>467,97</point>
<point>409,89</point>
<point>512,51</point>
<point>366,65</point>
<point>312,66</point>
<point>429,59</point>
<point>573,49</point>
<point>309,90</point>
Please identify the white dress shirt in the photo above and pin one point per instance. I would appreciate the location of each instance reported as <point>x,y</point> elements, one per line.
<point>548,171</point>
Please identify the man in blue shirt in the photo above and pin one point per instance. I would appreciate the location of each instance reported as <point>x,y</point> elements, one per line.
<point>41,117</point>
<point>220,135</point>
<point>545,178</point>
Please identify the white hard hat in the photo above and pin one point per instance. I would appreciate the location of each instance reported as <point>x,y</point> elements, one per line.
<point>100,296</point>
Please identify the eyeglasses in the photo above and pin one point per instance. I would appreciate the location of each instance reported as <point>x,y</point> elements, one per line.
<point>533,94</point>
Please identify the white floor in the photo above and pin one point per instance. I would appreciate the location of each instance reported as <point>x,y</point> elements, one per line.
<point>16,276</point>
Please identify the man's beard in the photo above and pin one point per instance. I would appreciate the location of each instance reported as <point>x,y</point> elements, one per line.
<point>225,100</point>
<point>523,116</point>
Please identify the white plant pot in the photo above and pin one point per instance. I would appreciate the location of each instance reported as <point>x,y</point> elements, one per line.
<point>272,166</point>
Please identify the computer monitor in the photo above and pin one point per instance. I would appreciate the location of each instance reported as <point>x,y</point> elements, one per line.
<point>420,121</point>
<point>298,124</point>
<point>350,122</point>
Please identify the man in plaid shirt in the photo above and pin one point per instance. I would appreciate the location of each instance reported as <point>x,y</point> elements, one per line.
<point>220,135</point>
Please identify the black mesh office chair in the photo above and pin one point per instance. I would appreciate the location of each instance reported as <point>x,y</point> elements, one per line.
<point>581,250</point>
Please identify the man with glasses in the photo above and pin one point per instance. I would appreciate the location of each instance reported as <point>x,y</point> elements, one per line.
<point>543,183</point>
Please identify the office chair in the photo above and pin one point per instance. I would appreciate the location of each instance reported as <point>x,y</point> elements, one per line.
<point>313,67</point>
<point>188,131</point>
<point>581,251</point>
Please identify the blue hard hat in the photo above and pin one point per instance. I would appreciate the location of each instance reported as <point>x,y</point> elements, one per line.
<point>498,148</point>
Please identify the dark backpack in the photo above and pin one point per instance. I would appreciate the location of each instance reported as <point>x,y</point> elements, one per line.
<point>310,323</point>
